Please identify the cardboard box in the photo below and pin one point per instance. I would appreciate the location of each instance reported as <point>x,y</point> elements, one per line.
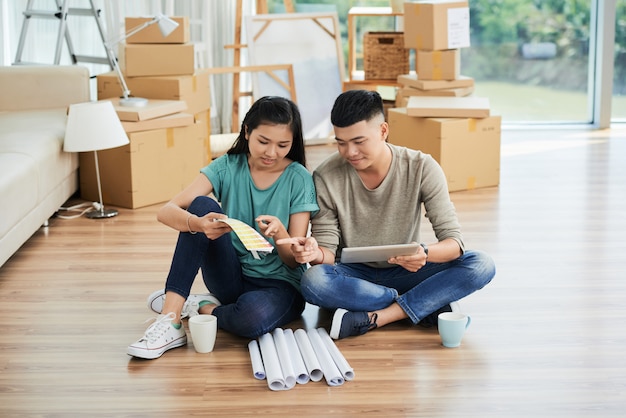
<point>413,80</point>
<point>154,167</point>
<point>204,119</point>
<point>457,92</point>
<point>403,94</point>
<point>467,149</point>
<point>170,121</point>
<point>448,107</point>
<point>192,89</point>
<point>439,65</point>
<point>152,34</point>
<point>154,109</point>
<point>140,60</point>
<point>436,25</point>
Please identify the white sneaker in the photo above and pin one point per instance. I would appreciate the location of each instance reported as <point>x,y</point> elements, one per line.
<point>159,337</point>
<point>190,308</point>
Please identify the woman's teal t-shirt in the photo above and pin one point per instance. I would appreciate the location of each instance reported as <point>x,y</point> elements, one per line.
<point>233,187</point>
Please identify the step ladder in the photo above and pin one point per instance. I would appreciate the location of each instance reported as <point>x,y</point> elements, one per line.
<point>61,13</point>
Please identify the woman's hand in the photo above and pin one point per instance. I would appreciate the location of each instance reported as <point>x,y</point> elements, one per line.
<point>271,227</point>
<point>210,227</point>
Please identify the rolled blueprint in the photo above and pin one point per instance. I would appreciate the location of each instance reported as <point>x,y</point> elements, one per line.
<point>329,368</point>
<point>284,358</point>
<point>274,374</point>
<point>257,361</point>
<point>346,371</point>
<point>308,355</point>
<point>302,375</point>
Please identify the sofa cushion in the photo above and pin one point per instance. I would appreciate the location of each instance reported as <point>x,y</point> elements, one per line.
<point>32,163</point>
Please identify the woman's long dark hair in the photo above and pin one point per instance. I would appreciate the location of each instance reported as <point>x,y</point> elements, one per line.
<point>273,110</point>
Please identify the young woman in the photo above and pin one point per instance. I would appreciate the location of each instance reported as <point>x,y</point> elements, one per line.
<point>262,180</point>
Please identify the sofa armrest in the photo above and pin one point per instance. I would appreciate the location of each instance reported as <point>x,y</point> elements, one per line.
<point>26,87</point>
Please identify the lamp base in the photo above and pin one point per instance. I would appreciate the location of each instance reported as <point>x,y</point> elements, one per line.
<point>133,102</point>
<point>100,214</point>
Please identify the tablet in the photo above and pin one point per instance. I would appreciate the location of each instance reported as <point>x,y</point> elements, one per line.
<point>376,253</point>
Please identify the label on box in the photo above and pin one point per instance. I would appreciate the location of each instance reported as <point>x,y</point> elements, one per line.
<point>458,27</point>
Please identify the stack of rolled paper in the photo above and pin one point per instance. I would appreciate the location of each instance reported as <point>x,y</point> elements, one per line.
<point>285,357</point>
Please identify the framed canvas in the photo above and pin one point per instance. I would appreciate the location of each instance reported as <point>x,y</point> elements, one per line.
<point>311,43</point>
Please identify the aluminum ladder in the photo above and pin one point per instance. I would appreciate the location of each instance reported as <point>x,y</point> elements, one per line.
<point>61,13</point>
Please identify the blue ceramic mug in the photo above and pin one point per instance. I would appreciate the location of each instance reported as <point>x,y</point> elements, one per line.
<point>452,326</point>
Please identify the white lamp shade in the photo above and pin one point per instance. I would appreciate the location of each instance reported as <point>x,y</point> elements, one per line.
<point>166,25</point>
<point>93,126</point>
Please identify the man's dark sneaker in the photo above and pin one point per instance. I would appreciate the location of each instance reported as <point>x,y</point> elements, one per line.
<point>346,323</point>
<point>431,320</point>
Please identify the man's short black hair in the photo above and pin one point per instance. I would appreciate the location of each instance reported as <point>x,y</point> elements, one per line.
<point>354,106</point>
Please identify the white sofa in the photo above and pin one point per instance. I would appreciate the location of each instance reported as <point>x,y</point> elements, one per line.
<point>36,176</point>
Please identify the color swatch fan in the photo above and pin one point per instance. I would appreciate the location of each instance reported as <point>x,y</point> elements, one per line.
<point>250,237</point>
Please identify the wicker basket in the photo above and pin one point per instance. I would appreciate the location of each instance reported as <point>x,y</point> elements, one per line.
<point>384,55</point>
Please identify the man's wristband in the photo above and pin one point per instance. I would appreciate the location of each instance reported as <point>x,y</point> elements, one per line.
<point>425,247</point>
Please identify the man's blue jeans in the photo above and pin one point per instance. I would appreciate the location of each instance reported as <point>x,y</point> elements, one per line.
<point>250,306</point>
<point>360,288</point>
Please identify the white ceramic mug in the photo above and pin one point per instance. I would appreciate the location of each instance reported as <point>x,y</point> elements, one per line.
<point>203,330</point>
<point>452,326</point>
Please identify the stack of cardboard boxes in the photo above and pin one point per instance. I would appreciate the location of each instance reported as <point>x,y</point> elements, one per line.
<point>169,137</point>
<point>435,109</point>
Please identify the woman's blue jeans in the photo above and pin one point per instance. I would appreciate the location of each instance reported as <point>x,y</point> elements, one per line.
<point>360,288</point>
<point>250,306</point>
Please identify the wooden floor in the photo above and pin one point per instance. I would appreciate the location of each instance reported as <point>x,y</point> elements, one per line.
<point>547,337</point>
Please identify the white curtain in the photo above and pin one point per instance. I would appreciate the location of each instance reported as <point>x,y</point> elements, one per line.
<point>212,25</point>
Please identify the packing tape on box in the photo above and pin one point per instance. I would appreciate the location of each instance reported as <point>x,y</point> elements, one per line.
<point>194,83</point>
<point>471,125</point>
<point>419,41</point>
<point>437,74</point>
<point>437,57</point>
<point>471,183</point>
<point>169,135</point>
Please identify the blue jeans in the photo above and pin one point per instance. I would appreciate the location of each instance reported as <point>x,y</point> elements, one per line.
<point>358,287</point>
<point>251,306</point>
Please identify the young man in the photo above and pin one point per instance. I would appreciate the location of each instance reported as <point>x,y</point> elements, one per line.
<point>371,193</point>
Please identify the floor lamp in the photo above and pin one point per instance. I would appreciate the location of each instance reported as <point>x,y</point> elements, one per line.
<point>166,27</point>
<point>94,126</point>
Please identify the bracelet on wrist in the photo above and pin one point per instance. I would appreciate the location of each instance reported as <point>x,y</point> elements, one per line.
<point>189,227</point>
<point>322,262</point>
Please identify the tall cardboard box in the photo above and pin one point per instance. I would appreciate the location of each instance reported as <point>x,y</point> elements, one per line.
<point>152,168</point>
<point>436,25</point>
<point>467,149</point>
<point>141,60</point>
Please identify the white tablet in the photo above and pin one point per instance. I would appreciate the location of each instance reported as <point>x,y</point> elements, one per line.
<point>376,253</point>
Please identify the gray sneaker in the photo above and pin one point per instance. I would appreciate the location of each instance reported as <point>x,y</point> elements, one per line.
<point>190,308</point>
<point>347,324</point>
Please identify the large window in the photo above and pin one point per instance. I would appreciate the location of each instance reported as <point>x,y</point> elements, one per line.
<point>534,59</point>
<point>619,76</point>
<point>531,58</point>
